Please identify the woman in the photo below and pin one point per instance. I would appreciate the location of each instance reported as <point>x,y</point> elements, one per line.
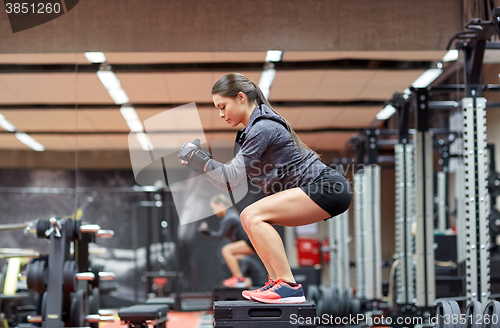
<point>300,189</point>
<point>230,227</point>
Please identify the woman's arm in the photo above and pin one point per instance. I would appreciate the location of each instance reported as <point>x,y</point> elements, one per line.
<point>247,158</point>
<point>225,226</point>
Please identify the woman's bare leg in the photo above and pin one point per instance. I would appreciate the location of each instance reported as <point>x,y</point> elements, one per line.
<point>267,265</point>
<point>287,208</point>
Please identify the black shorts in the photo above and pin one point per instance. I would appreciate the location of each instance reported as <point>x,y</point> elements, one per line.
<point>331,191</point>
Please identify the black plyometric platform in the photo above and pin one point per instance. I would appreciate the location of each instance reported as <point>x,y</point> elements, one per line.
<point>228,294</point>
<point>250,314</point>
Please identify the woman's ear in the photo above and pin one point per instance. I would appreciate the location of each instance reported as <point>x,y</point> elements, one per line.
<point>241,97</point>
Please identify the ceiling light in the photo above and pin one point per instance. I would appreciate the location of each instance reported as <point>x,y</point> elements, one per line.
<point>29,141</point>
<point>113,85</point>
<point>96,57</point>
<point>274,56</point>
<point>132,119</point>
<point>266,80</point>
<point>6,125</point>
<point>109,79</point>
<point>451,55</point>
<point>386,112</point>
<point>119,96</point>
<point>427,78</point>
<point>129,113</point>
<point>143,140</point>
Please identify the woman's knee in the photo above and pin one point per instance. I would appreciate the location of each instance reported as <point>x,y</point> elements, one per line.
<point>249,217</point>
<point>226,250</point>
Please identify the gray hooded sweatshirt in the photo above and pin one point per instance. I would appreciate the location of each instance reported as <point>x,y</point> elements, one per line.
<point>268,156</point>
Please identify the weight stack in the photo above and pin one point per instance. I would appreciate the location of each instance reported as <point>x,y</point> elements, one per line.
<point>228,294</point>
<point>249,314</point>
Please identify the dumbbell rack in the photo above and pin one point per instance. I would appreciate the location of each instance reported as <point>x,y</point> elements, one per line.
<point>58,308</point>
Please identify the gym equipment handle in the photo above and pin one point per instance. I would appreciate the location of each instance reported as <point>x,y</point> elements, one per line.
<point>106,313</point>
<point>34,318</point>
<point>14,226</point>
<point>89,228</point>
<point>106,276</point>
<point>85,276</point>
<point>105,233</point>
<point>93,318</point>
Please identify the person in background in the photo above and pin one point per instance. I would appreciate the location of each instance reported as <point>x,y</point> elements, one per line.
<point>230,227</point>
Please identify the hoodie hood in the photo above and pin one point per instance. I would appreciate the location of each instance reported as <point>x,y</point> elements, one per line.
<point>259,113</point>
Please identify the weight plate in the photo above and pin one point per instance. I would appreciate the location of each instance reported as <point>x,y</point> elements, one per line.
<point>2,282</point>
<point>313,294</point>
<point>491,315</point>
<point>3,274</point>
<point>35,276</point>
<point>347,302</point>
<point>44,305</point>
<point>494,221</point>
<point>341,303</point>
<point>456,314</point>
<point>319,308</point>
<point>355,306</point>
<point>42,226</point>
<point>79,309</point>
<point>76,311</point>
<point>30,275</point>
<point>42,276</point>
<point>323,296</point>
<point>94,301</point>
<point>94,305</point>
<point>335,311</point>
<point>329,299</point>
<point>70,283</point>
<point>493,185</point>
<point>473,314</point>
<point>444,314</point>
<point>77,232</point>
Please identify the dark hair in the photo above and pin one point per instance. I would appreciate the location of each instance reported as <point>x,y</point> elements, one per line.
<point>230,85</point>
<point>221,198</point>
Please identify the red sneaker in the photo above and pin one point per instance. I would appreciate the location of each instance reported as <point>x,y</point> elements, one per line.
<point>281,292</point>
<point>247,293</point>
<point>235,282</point>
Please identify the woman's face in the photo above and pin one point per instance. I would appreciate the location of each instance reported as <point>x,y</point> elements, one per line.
<point>218,208</point>
<point>232,110</point>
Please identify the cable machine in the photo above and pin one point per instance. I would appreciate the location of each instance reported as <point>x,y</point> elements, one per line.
<point>367,221</point>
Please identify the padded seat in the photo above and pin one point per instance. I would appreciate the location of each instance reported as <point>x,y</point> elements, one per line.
<point>137,314</point>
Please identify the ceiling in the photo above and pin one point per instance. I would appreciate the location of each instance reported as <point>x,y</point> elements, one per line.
<point>56,104</point>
